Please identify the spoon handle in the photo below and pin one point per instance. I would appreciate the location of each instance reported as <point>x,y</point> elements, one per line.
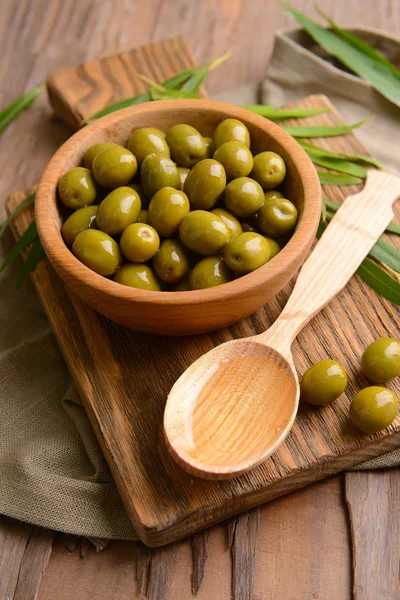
<point>347,240</point>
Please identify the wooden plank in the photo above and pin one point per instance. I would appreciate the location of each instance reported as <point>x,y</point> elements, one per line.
<point>34,563</point>
<point>14,536</point>
<point>79,92</point>
<point>164,502</point>
<point>373,499</point>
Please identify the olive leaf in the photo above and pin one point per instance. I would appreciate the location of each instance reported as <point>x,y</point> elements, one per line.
<point>35,255</point>
<point>327,178</point>
<point>368,160</point>
<point>11,112</point>
<point>338,164</point>
<point>29,200</point>
<point>27,238</point>
<point>318,131</point>
<point>277,114</point>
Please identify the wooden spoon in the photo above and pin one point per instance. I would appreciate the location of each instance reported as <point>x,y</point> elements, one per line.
<point>235,405</point>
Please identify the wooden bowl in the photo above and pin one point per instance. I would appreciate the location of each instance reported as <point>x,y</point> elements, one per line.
<point>191,312</point>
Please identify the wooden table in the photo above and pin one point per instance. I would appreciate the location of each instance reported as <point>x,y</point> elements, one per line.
<point>331,540</point>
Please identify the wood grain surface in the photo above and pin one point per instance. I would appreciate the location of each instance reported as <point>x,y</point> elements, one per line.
<point>38,38</point>
<point>163,501</point>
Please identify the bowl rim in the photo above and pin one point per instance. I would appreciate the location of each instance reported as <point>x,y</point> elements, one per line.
<point>68,266</point>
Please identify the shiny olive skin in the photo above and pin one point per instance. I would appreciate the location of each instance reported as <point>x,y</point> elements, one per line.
<point>272,195</point>
<point>139,242</point>
<point>231,130</point>
<point>209,272</point>
<point>98,251</point>
<point>230,221</point>
<point>209,147</point>
<point>246,252</point>
<point>171,262</point>
<point>81,219</point>
<point>205,183</point>
<point>77,188</point>
<point>203,232</point>
<point>274,247</point>
<point>186,144</point>
<point>94,150</point>
<point>144,201</point>
<point>138,276</point>
<point>118,210</point>
<point>114,167</point>
<point>323,382</point>
<point>183,173</point>
<point>236,159</point>
<point>244,197</point>
<point>269,170</point>
<point>277,217</point>
<point>167,209</point>
<point>145,141</point>
<point>381,360</point>
<point>143,216</point>
<point>158,171</point>
<point>374,409</point>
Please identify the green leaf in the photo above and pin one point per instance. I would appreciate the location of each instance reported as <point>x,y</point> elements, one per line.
<point>379,280</point>
<point>12,111</point>
<point>276,114</point>
<point>393,228</point>
<point>355,54</point>
<point>368,160</point>
<point>318,131</point>
<point>337,178</point>
<point>367,62</point>
<point>338,164</point>
<point>156,94</point>
<point>29,200</point>
<point>196,80</point>
<point>386,254</point>
<point>35,255</point>
<point>23,242</point>
<point>374,276</point>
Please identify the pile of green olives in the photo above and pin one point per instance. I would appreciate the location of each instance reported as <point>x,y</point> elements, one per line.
<point>177,211</point>
<point>375,407</point>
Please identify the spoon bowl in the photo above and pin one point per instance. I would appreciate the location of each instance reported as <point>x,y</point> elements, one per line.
<point>232,407</point>
<point>235,405</point>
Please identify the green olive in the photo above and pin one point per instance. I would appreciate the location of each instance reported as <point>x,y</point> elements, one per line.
<point>323,382</point>
<point>114,167</point>
<point>231,130</point>
<point>230,221</point>
<point>144,201</point>
<point>244,197</point>
<point>84,218</point>
<point>145,141</point>
<point>77,188</point>
<point>246,252</point>
<point>118,210</point>
<point>374,409</point>
<point>209,147</point>
<point>137,276</point>
<point>183,173</point>
<point>139,242</point>
<point>272,195</point>
<point>205,183</point>
<point>93,151</point>
<point>158,171</point>
<point>277,217</point>
<point>209,272</point>
<point>381,360</point>
<point>186,145</point>
<point>274,247</point>
<point>143,216</point>
<point>269,170</point>
<point>98,251</point>
<point>203,232</point>
<point>171,262</point>
<point>248,227</point>
<point>236,159</point>
<point>167,209</point>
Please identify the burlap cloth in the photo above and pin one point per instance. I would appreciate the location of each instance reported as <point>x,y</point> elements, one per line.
<point>52,472</point>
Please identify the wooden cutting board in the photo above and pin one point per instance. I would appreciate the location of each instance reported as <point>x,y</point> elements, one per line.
<point>124,378</point>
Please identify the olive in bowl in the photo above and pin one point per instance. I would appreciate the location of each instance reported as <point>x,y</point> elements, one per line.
<point>179,312</point>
